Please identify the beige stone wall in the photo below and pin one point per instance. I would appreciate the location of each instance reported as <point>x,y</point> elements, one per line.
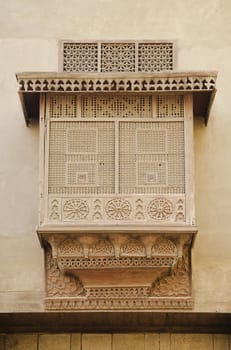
<point>132,341</point>
<point>29,35</point>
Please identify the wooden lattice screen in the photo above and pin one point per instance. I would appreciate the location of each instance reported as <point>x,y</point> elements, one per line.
<point>107,57</point>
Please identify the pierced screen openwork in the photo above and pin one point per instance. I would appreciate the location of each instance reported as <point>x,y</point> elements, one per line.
<point>105,144</point>
<point>79,57</point>
<point>81,157</point>
<point>155,57</point>
<point>62,105</point>
<point>151,157</point>
<point>117,57</point>
<point>170,106</point>
<point>121,106</point>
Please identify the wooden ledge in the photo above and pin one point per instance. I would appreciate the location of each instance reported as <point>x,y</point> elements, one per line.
<point>118,322</point>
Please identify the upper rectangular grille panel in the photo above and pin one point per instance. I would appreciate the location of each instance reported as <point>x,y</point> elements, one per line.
<point>116,57</point>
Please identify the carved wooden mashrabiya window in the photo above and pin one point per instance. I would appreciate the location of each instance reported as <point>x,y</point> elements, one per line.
<point>117,208</point>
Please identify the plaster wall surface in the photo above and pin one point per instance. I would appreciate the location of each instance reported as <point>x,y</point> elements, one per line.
<point>30,31</point>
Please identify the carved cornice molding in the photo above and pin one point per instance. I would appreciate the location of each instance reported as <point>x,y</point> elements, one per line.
<point>156,82</point>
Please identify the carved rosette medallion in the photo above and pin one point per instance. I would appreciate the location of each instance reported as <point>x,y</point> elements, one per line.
<point>160,209</point>
<point>118,209</point>
<point>75,209</point>
<point>134,208</point>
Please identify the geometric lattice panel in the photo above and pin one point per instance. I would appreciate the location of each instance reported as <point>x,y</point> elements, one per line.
<point>81,141</point>
<point>98,152</point>
<point>122,106</point>
<point>170,106</point>
<point>117,57</point>
<point>61,105</point>
<point>80,174</point>
<point>81,157</point>
<point>151,157</point>
<point>115,106</point>
<point>152,173</point>
<point>155,57</point>
<point>80,57</point>
<point>151,140</point>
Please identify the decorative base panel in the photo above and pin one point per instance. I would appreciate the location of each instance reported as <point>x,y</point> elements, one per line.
<point>148,209</point>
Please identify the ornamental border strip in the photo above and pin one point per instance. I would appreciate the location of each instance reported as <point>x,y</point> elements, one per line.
<point>116,84</point>
<point>113,262</point>
<point>117,304</point>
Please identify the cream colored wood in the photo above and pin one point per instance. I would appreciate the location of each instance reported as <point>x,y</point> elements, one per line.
<point>78,115</point>
<point>131,207</point>
<point>189,159</point>
<point>42,143</point>
<point>100,228</point>
<point>116,82</point>
<point>99,57</point>
<point>183,75</point>
<point>46,161</point>
<point>154,108</point>
<point>120,209</point>
<point>136,56</point>
<point>117,145</point>
<point>173,229</point>
<point>110,246</point>
<point>198,82</point>
<point>143,54</point>
<point>117,119</point>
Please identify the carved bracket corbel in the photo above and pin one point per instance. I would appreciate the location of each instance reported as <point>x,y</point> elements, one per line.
<point>118,270</point>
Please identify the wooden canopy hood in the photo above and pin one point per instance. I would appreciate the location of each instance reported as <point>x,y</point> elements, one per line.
<point>32,84</point>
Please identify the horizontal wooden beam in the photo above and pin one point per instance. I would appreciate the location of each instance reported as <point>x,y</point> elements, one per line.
<point>119,322</point>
